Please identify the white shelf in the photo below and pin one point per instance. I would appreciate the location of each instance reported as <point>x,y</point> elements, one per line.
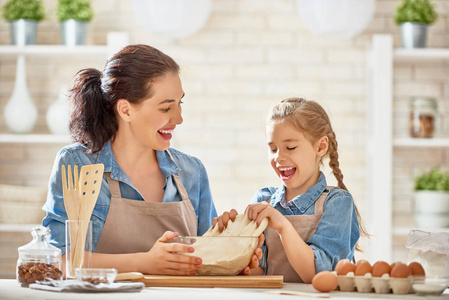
<point>17,227</point>
<point>35,138</point>
<point>51,50</point>
<point>421,142</point>
<point>381,143</point>
<point>420,55</point>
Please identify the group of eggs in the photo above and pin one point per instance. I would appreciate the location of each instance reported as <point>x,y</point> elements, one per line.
<point>364,277</point>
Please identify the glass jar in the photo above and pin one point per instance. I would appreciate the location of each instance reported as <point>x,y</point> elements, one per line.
<point>423,113</point>
<point>38,259</point>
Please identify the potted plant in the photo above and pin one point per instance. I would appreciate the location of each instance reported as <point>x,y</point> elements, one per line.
<point>23,16</point>
<point>432,199</point>
<point>414,16</point>
<point>74,16</point>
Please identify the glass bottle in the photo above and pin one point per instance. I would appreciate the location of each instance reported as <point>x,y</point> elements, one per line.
<point>38,259</point>
<point>423,113</point>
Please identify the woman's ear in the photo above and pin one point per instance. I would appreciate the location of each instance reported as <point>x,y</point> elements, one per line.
<point>322,146</point>
<point>123,109</point>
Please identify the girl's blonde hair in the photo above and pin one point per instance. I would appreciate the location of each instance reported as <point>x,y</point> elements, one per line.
<point>312,120</point>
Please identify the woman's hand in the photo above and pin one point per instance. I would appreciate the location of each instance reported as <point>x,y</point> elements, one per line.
<point>162,259</point>
<point>261,210</point>
<point>223,220</point>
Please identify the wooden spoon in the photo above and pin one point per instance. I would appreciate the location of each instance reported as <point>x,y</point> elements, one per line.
<point>91,177</point>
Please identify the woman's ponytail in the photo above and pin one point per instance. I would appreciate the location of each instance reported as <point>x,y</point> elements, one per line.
<point>92,121</point>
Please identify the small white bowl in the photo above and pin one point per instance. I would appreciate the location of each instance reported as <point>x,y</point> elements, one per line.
<point>96,276</point>
<point>429,285</point>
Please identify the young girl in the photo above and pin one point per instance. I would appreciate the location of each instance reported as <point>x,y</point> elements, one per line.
<point>311,226</point>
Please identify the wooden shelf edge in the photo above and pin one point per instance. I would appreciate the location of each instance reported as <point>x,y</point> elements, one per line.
<point>50,50</point>
<point>35,138</point>
<point>420,54</point>
<point>421,142</point>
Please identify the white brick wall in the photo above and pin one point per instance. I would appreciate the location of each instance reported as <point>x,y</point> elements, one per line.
<point>250,55</point>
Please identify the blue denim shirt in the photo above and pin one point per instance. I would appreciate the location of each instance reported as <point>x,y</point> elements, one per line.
<point>338,230</point>
<point>191,171</point>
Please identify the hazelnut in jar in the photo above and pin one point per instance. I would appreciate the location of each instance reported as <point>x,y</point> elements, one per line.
<point>423,113</point>
<point>38,259</point>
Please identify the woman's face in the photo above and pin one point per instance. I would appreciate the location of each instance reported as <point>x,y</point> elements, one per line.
<point>293,157</point>
<point>154,119</point>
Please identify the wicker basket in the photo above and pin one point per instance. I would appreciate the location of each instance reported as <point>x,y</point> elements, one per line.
<point>21,204</point>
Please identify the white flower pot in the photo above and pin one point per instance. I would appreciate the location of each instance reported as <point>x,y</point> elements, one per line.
<point>431,201</point>
<point>431,220</point>
<point>432,209</point>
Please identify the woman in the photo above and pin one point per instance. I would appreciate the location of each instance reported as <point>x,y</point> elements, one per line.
<point>124,118</point>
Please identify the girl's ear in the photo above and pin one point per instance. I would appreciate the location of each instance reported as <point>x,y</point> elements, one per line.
<point>123,109</point>
<point>322,146</point>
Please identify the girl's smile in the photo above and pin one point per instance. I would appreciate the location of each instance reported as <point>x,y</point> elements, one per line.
<point>286,173</point>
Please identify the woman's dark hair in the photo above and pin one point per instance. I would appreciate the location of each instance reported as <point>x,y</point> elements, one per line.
<point>128,74</point>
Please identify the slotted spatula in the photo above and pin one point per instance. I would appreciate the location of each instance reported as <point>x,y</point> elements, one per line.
<point>90,180</point>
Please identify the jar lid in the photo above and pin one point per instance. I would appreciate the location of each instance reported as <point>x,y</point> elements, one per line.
<point>423,102</point>
<point>39,248</point>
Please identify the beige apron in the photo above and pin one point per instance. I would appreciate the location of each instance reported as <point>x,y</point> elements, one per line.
<point>305,225</point>
<point>134,226</point>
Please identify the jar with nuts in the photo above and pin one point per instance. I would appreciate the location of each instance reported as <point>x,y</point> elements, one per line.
<point>38,259</point>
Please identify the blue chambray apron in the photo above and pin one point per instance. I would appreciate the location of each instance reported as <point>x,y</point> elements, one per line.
<point>134,226</point>
<point>305,226</point>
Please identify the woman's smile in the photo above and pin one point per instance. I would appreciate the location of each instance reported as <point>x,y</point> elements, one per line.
<point>166,134</point>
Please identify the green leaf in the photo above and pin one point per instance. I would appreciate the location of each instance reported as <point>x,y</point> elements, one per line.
<point>74,9</point>
<point>23,9</point>
<point>435,180</point>
<point>421,11</point>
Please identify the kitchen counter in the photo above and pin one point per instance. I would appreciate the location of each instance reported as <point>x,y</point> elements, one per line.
<point>10,289</point>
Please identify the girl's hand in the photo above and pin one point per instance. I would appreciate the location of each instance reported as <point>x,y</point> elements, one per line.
<point>163,259</point>
<point>261,210</point>
<point>254,263</point>
<point>223,220</point>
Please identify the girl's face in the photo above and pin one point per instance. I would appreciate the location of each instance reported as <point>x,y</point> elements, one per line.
<point>293,157</point>
<point>154,119</point>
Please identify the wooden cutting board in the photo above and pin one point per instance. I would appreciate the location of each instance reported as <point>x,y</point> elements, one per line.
<point>271,281</point>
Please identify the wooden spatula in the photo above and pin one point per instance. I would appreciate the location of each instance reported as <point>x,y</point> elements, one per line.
<point>70,192</point>
<point>90,180</point>
<point>70,189</point>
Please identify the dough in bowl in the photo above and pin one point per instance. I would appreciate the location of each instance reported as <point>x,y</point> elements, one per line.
<point>230,251</point>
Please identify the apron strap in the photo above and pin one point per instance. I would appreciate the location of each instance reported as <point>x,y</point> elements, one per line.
<point>113,186</point>
<point>179,185</point>
<point>319,203</point>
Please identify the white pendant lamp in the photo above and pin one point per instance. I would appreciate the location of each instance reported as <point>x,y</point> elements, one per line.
<point>340,19</point>
<point>172,19</point>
